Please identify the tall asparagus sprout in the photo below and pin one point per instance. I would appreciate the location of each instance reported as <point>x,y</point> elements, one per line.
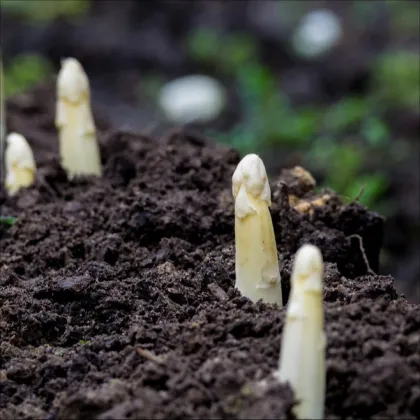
<point>257,267</point>
<point>302,357</point>
<point>19,162</point>
<point>79,149</point>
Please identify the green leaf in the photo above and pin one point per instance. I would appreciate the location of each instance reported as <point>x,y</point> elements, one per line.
<point>225,52</point>
<point>45,10</point>
<point>373,187</point>
<point>24,71</point>
<point>344,114</point>
<point>238,50</point>
<point>320,151</point>
<point>203,45</point>
<point>7,220</point>
<point>375,132</point>
<point>257,81</point>
<point>342,165</point>
<point>299,127</point>
<point>397,79</point>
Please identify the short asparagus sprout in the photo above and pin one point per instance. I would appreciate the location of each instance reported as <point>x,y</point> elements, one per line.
<point>257,266</point>
<point>79,149</point>
<point>19,162</point>
<point>302,357</point>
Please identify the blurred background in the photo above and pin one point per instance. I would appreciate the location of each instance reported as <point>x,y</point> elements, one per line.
<point>333,86</point>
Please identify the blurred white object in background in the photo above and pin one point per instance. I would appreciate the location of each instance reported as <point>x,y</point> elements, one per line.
<point>194,98</point>
<point>318,32</point>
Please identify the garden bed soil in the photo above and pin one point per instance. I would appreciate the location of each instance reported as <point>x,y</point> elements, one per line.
<point>117,294</point>
<point>127,44</point>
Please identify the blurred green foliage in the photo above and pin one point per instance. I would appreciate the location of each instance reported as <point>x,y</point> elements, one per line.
<point>7,220</point>
<point>343,164</point>
<point>375,132</point>
<point>268,112</point>
<point>23,72</point>
<point>405,16</point>
<point>150,85</point>
<point>228,51</point>
<point>336,139</point>
<point>347,113</point>
<point>45,10</point>
<point>397,79</point>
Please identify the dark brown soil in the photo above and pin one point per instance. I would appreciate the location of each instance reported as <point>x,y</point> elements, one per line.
<point>124,46</point>
<point>117,296</point>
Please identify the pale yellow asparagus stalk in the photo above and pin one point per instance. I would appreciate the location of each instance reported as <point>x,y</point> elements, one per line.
<point>79,149</point>
<point>302,356</point>
<point>257,267</point>
<point>19,162</point>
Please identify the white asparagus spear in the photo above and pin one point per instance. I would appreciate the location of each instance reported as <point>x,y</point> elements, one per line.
<point>257,267</point>
<point>302,356</point>
<point>19,162</point>
<point>79,149</point>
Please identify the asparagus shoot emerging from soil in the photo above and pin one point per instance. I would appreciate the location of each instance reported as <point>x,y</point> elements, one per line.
<point>302,357</point>
<point>79,149</point>
<point>257,266</point>
<point>19,162</point>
